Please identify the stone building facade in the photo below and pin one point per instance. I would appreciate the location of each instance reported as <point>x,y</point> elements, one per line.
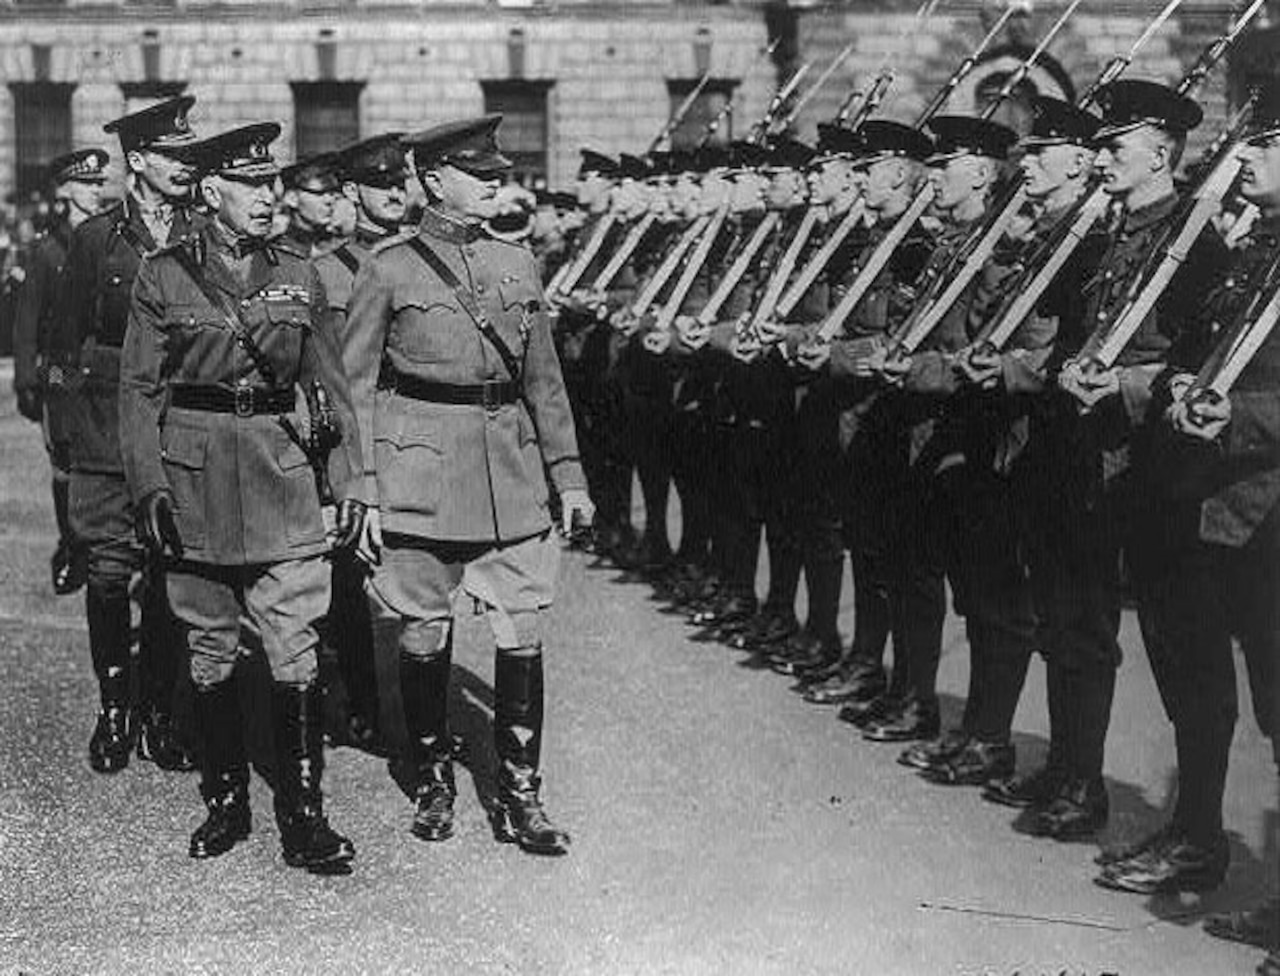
<point>567,73</point>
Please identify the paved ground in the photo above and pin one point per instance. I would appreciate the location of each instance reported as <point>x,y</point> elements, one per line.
<point>721,825</point>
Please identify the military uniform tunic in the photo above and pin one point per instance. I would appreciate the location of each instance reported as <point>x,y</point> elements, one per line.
<point>38,297</point>
<point>244,487</point>
<point>458,472</point>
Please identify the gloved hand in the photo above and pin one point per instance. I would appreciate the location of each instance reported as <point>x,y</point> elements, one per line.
<point>157,529</point>
<point>31,403</point>
<point>350,523</point>
<point>577,511</point>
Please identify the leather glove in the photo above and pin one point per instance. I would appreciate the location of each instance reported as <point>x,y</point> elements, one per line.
<point>350,523</point>
<point>157,530</point>
<point>577,512</point>
<point>31,403</point>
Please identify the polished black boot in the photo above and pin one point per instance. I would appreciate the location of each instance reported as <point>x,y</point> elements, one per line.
<point>224,772</point>
<point>162,663</point>
<point>109,625</point>
<point>424,685</point>
<point>306,838</point>
<point>517,816</point>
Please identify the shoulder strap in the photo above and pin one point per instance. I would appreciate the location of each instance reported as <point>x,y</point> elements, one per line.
<point>344,255</point>
<point>469,304</point>
<point>230,314</point>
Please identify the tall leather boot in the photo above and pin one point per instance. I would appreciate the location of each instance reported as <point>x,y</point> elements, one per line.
<point>306,838</point>
<point>161,656</point>
<point>518,816</point>
<point>224,771</point>
<point>109,626</point>
<point>424,686</point>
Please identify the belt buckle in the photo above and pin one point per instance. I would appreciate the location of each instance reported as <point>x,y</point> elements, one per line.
<point>243,401</point>
<point>490,397</point>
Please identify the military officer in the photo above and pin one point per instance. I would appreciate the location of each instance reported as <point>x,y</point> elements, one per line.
<point>106,251</point>
<point>1139,144</point>
<point>77,179</point>
<point>462,409</point>
<point>222,327</point>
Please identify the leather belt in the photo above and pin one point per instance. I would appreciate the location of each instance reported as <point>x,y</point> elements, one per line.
<point>490,395</point>
<point>243,401</point>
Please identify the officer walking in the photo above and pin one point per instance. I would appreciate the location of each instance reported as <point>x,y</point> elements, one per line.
<point>221,330</point>
<point>106,251</point>
<point>462,408</point>
<point>77,179</point>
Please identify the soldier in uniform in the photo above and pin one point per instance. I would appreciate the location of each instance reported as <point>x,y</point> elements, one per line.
<point>311,188</point>
<point>221,330</point>
<point>373,177</point>
<point>463,414</point>
<point>1207,550</point>
<point>77,179</point>
<point>106,251</point>
<point>1139,144</point>
<point>890,164</point>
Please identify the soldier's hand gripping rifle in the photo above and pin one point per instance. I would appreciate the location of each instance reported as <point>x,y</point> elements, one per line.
<point>1093,205</point>
<point>980,245</point>
<point>1219,171</point>
<point>1248,334</point>
<point>879,258</point>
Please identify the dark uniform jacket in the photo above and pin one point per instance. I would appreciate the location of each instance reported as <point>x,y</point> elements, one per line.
<point>37,303</point>
<point>244,488</point>
<point>458,472</point>
<point>106,252</point>
<point>1236,482</point>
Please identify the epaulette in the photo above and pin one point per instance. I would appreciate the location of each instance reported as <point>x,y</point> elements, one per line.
<point>393,240</point>
<point>286,245</point>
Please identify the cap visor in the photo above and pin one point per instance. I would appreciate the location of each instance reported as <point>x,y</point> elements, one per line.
<point>482,164</point>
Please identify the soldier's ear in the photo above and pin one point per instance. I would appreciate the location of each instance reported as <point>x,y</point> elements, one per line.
<point>135,161</point>
<point>211,193</point>
<point>351,191</point>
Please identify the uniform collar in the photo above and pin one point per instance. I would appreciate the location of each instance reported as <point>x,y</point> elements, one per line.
<point>1144,217</point>
<point>1265,232</point>
<point>367,235</point>
<point>436,223</point>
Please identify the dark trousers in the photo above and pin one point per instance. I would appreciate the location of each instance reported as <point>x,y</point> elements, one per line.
<point>649,423</point>
<point>1193,598</point>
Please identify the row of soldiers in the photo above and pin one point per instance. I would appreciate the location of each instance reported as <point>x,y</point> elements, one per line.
<point>220,425</point>
<point>731,327</point>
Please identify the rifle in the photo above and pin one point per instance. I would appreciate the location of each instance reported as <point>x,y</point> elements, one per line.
<point>739,267</point>
<point>632,241</point>
<point>1094,203</point>
<point>761,129</point>
<point>1248,334</point>
<point>805,279</point>
<point>1107,343</point>
<point>668,266</point>
<point>580,264</point>
<point>696,260</point>
<point>679,114</point>
<point>782,271</point>
<point>794,113</point>
<point>879,257</point>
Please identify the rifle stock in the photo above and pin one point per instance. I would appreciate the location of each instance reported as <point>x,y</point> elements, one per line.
<point>668,266</point>
<point>696,260</point>
<point>708,313</point>
<point>632,241</point>
<point>805,279</point>
<point>782,272</point>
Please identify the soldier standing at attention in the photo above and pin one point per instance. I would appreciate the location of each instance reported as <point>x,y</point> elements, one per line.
<point>77,180</point>
<point>371,175</point>
<point>106,251</point>
<point>221,330</point>
<point>1143,132</point>
<point>462,408</point>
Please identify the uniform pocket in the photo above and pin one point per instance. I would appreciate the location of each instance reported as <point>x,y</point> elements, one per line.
<point>410,470</point>
<point>428,329</point>
<point>183,454</point>
<point>304,524</point>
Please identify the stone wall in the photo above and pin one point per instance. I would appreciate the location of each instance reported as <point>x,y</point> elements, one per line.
<point>609,62</point>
